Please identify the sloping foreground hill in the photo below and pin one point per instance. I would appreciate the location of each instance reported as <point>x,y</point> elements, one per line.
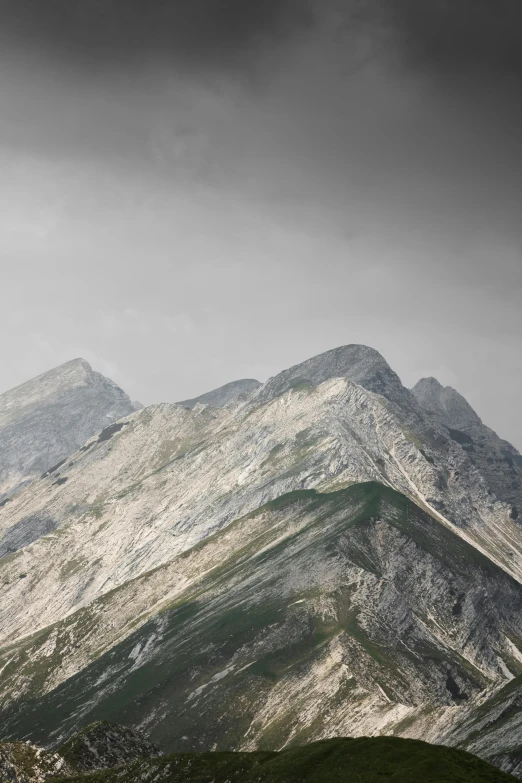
<point>363,760</point>
<point>318,615</point>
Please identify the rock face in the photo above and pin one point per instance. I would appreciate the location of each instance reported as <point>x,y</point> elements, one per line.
<point>323,557</point>
<point>23,762</point>
<point>497,460</point>
<point>103,745</point>
<point>320,614</point>
<point>359,363</point>
<point>100,746</point>
<point>237,391</point>
<point>46,419</point>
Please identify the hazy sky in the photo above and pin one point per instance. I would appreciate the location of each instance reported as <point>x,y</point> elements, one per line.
<point>198,191</point>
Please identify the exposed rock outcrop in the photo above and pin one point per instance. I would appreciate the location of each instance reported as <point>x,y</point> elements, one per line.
<point>46,419</point>
<point>236,391</point>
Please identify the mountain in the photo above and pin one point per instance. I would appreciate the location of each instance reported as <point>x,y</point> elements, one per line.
<point>498,461</point>
<point>359,363</point>
<point>323,557</point>
<point>236,391</point>
<point>320,614</point>
<point>164,478</point>
<point>46,419</point>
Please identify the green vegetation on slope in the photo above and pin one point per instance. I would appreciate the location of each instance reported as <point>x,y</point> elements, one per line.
<point>362,760</point>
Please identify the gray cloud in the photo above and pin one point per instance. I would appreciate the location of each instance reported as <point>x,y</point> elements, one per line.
<point>478,36</point>
<point>199,32</point>
<point>189,203</point>
<point>461,34</point>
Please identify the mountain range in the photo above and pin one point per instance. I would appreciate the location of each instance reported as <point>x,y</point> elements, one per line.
<point>324,554</point>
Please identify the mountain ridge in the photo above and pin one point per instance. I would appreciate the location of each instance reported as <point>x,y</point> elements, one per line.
<point>164,535</point>
<point>235,391</point>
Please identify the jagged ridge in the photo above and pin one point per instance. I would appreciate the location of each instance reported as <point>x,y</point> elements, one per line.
<point>236,391</point>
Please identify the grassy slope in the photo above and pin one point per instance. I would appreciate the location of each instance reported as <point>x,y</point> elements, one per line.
<point>362,760</point>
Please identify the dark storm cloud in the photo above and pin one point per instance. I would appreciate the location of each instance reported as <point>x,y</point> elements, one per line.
<point>192,31</point>
<point>463,34</point>
<point>456,37</point>
<point>239,185</point>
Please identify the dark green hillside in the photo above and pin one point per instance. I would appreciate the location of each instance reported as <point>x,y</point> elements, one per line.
<point>363,760</point>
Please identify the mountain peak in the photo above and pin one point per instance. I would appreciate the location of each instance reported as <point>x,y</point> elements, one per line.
<point>358,363</point>
<point>48,417</point>
<point>452,409</point>
<point>78,362</point>
<point>428,383</point>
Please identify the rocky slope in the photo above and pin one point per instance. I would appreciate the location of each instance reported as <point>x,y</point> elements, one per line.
<point>320,614</point>
<point>103,745</point>
<point>497,460</point>
<point>48,418</point>
<point>163,479</point>
<point>100,746</point>
<point>359,363</point>
<point>23,762</point>
<point>168,575</point>
<point>236,391</point>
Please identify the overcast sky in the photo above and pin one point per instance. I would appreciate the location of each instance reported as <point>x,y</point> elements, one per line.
<point>194,192</point>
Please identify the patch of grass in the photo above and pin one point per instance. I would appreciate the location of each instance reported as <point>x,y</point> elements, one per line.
<point>71,567</point>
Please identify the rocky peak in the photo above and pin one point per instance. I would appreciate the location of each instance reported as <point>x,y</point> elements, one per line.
<point>236,391</point>
<point>47,418</point>
<point>451,408</point>
<point>497,460</point>
<point>359,363</point>
<point>47,385</point>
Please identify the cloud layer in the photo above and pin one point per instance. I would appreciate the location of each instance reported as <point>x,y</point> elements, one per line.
<point>194,192</point>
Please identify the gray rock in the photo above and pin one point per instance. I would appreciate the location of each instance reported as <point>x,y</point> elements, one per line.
<point>215,575</point>
<point>103,745</point>
<point>46,419</point>
<point>25,532</point>
<point>359,363</point>
<point>236,391</point>
<point>496,459</point>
